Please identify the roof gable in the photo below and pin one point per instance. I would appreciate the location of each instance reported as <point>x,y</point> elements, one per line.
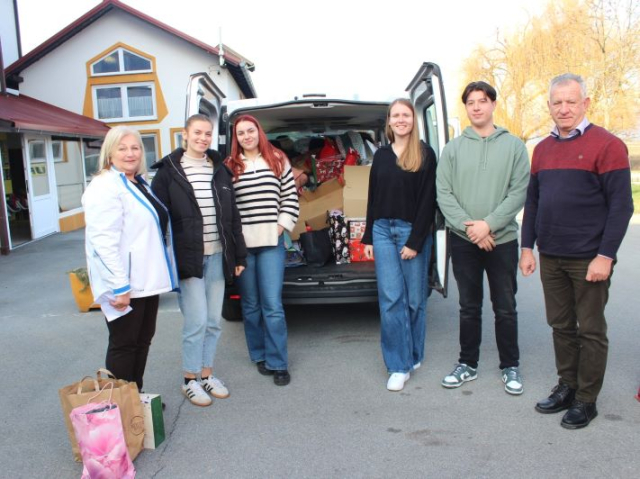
<point>238,66</point>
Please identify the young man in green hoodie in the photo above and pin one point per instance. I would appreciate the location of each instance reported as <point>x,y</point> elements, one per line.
<point>481,181</point>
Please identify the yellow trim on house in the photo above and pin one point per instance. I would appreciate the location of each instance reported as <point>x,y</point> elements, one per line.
<point>71,223</point>
<point>161,105</point>
<point>173,132</point>
<point>159,143</point>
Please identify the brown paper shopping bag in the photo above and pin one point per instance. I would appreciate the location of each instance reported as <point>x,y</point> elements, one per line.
<point>125,395</point>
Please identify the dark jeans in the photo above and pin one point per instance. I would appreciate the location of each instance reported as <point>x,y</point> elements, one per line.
<point>129,339</point>
<point>575,311</point>
<point>469,264</point>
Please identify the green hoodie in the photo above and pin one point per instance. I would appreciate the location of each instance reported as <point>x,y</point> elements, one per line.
<point>483,179</point>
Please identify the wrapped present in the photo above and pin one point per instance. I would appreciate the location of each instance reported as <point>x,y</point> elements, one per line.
<point>356,231</point>
<point>357,227</point>
<point>339,232</point>
<point>328,168</point>
<point>356,251</point>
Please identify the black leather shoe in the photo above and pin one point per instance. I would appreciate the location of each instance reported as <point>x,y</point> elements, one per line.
<point>579,415</point>
<point>560,399</point>
<point>262,369</point>
<point>281,378</point>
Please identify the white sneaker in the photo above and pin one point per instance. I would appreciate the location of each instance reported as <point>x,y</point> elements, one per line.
<point>512,381</point>
<point>215,387</point>
<point>417,366</point>
<point>396,381</point>
<point>196,394</point>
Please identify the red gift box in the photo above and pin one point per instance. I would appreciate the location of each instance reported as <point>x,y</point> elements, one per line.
<point>356,251</point>
<point>329,168</point>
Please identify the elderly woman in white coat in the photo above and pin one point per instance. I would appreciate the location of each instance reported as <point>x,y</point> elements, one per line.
<point>129,251</point>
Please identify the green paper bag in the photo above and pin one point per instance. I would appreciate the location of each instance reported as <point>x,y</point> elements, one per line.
<point>153,420</point>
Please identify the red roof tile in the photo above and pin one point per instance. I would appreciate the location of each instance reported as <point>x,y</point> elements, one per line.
<point>26,113</point>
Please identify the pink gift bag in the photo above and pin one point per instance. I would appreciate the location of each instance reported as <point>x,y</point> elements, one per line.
<point>98,429</point>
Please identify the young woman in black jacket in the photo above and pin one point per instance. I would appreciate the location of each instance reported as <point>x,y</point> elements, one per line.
<point>197,188</point>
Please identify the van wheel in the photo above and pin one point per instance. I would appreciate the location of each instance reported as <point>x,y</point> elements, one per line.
<point>231,309</point>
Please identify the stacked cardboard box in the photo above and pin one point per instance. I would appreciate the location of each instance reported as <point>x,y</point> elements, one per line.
<point>348,194</point>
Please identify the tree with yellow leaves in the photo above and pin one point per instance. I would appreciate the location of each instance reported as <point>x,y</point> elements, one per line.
<point>598,39</point>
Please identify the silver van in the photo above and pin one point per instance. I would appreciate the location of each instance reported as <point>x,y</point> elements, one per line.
<point>301,118</point>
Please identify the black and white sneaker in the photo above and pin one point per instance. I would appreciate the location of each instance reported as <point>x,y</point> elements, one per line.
<point>196,394</point>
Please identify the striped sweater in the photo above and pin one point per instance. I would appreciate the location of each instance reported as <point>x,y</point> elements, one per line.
<point>265,201</point>
<point>199,172</point>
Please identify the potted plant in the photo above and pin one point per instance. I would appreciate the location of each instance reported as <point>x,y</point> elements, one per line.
<point>81,289</point>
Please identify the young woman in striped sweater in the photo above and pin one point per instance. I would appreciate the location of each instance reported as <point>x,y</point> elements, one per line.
<point>268,204</point>
<point>196,187</point>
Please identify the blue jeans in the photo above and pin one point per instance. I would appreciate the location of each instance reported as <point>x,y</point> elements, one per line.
<point>501,265</point>
<point>200,301</point>
<point>260,286</point>
<point>402,294</point>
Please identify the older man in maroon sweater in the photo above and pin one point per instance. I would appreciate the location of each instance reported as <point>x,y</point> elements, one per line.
<point>577,211</point>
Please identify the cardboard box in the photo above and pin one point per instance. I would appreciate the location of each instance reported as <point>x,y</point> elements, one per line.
<point>356,190</point>
<point>153,420</point>
<point>315,204</point>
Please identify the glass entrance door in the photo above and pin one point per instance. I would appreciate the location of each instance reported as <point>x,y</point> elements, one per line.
<point>43,203</point>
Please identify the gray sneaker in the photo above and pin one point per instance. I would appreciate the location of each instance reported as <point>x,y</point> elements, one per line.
<point>512,380</point>
<point>460,375</point>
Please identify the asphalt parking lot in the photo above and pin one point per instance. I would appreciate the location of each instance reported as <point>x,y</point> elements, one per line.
<point>335,419</point>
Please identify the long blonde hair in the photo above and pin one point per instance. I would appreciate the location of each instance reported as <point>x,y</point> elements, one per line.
<point>411,157</point>
<point>110,144</point>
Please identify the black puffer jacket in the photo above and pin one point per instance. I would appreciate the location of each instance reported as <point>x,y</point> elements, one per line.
<point>172,187</point>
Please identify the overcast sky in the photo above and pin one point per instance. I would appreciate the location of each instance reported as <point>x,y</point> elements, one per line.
<point>348,47</point>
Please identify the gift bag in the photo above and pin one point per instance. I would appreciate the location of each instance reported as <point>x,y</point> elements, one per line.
<point>153,420</point>
<point>316,246</point>
<point>98,430</point>
<point>125,395</point>
<point>294,256</point>
<point>352,158</point>
<point>339,237</point>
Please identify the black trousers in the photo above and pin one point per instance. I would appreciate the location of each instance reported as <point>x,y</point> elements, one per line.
<point>130,338</point>
<point>469,264</point>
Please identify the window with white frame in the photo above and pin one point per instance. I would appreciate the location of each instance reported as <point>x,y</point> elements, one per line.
<point>151,150</point>
<point>120,62</point>
<point>177,139</point>
<point>125,102</point>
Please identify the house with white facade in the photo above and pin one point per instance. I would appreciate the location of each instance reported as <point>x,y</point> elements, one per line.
<point>42,153</point>
<point>120,66</point>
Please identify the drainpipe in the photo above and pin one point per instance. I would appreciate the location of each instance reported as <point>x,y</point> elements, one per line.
<point>3,82</point>
<point>4,224</point>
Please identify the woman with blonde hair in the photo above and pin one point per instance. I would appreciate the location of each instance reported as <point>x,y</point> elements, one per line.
<point>129,251</point>
<point>197,188</point>
<point>400,214</point>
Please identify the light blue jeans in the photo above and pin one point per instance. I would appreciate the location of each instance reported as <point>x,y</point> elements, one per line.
<point>200,301</point>
<point>402,295</point>
<point>260,285</point>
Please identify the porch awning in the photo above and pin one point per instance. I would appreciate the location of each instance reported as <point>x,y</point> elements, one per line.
<point>23,113</point>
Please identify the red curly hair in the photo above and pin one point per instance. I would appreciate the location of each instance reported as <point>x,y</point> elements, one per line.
<point>274,157</point>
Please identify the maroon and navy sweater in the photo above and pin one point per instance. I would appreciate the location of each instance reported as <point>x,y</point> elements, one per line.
<point>579,197</point>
